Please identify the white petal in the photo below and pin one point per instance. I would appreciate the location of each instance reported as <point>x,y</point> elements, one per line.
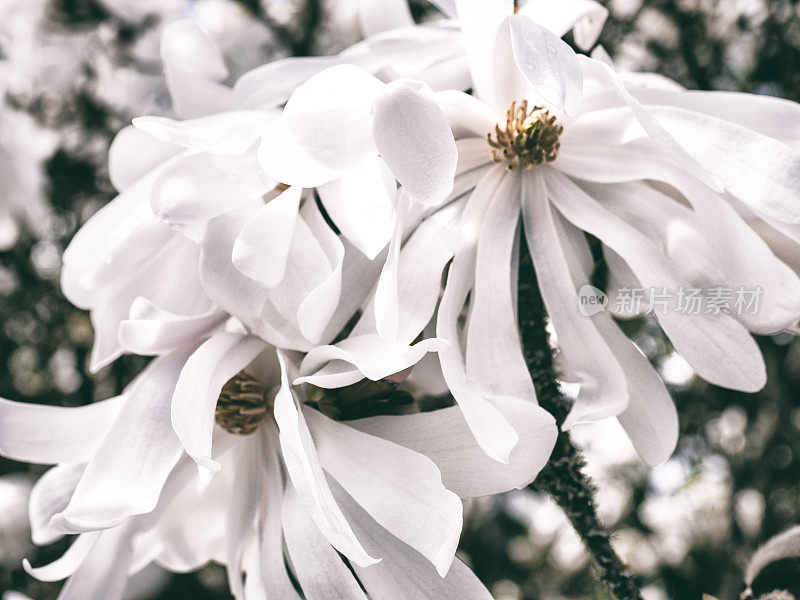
<point>716,346</point>
<point>49,497</point>
<point>494,434</point>
<point>372,355</point>
<point>305,471</point>
<point>330,115</point>
<point>42,434</point>
<point>196,188</point>
<point>661,136</point>
<point>130,467</point>
<point>359,203</point>
<point>270,85</point>
<point>494,358</point>
<point>444,437</point>
<point>133,154</point>
<point>764,173</point>
<point>67,563</point>
<point>318,568</point>
<point>584,17</point>
<point>402,568</point>
<point>151,330</point>
<point>401,489</point>
<point>603,390</point>
<point>104,573</point>
<point>414,138</point>
<point>198,387</point>
<point>231,132</point>
<point>262,247</point>
<point>548,63</point>
<point>480,22</point>
<point>785,545</point>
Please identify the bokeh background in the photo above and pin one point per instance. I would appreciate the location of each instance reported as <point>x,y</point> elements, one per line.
<point>73,72</point>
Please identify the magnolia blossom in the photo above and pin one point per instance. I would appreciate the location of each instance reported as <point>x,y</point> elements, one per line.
<point>381,491</point>
<point>571,149</point>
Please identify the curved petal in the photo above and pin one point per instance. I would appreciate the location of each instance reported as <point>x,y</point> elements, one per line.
<point>133,154</point>
<point>548,63</point>
<point>305,471</point>
<point>67,563</point>
<point>198,387</point>
<point>262,247</point>
<point>414,138</point>
<point>49,497</point>
<point>401,489</point>
<point>585,18</point>
<point>444,437</point>
<point>42,434</point>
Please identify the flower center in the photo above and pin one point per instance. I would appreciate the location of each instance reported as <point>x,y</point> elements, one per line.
<point>242,404</point>
<point>529,138</point>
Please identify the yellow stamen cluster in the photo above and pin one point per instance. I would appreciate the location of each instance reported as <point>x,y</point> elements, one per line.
<point>529,138</point>
<point>242,404</point>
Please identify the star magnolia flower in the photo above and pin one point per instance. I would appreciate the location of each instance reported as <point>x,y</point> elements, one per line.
<point>571,150</point>
<point>381,491</point>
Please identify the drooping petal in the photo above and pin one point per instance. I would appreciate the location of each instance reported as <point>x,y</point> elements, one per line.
<point>402,568</point>
<point>492,431</point>
<point>401,489</point>
<point>43,434</point>
<point>198,387</point>
<point>444,437</point>
<point>715,345</point>
<point>67,563</point>
<point>262,247</point>
<point>414,138</point>
<point>548,63</point>
<point>103,574</point>
<point>603,390</point>
<point>319,569</point>
<point>128,471</point>
<point>494,358</point>
<point>305,471</point>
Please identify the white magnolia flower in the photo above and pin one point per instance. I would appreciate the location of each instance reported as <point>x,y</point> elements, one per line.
<point>572,150</point>
<point>383,491</point>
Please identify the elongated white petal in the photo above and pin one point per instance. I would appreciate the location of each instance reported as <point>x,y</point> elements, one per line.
<point>548,63</point>
<point>603,391</point>
<point>319,569</point>
<point>378,474</point>
<point>130,467</point>
<point>657,132</point>
<point>359,202</point>
<point>197,391</point>
<point>49,497</point>
<point>152,330</point>
<point>492,431</point>
<point>305,471</point>
<point>584,17</point>
<point>42,434</point>
<point>262,247</point>
<point>373,356</point>
<point>445,438</point>
<point>231,132</point>
<point>716,346</point>
<point>494,358</point>
<point>414,138</point>
<point>785,545</point>
<point>762,172</point>
<point>480,22</point>
<point>402,568</point>
<point>104,573</point>
<point>67,563</point>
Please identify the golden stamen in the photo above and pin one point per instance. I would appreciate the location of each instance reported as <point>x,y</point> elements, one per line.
<point>529,138</point>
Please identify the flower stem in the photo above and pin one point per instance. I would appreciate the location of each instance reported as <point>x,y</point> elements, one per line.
<point>564,478</point>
